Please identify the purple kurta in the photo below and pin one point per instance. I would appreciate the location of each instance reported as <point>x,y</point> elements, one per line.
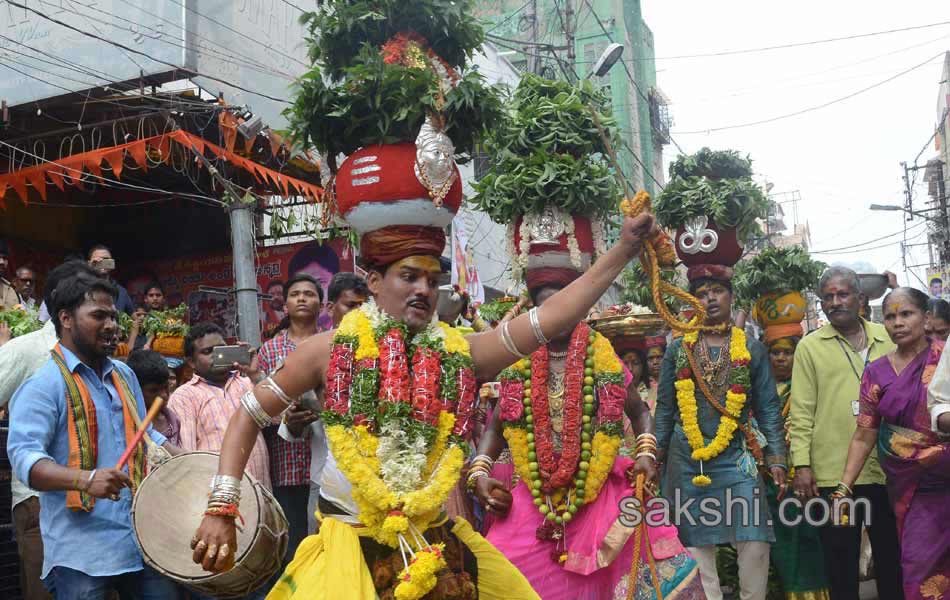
<point>917,465</point>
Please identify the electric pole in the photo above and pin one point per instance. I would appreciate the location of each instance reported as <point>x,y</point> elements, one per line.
<point>533,49</point>
<point>569,34</point>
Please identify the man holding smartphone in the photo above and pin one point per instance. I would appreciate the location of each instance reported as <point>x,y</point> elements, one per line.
<point>204,404</point>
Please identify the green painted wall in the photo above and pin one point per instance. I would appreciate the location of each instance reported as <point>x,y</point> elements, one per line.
<point>622,18</point>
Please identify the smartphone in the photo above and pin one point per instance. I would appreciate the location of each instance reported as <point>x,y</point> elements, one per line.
<point>106,264</point>
<point>224,357</point>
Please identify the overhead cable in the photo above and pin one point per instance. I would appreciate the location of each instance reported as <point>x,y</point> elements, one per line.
<point>813,108</point>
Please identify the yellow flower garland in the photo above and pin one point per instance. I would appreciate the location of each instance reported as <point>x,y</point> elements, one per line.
<point>374,499</point>
<point>605,357</point>
<point>686,400</point>
<point>455,342</point>
<point>517,439</point>
<point>604,450</point>
<point>356,324</point>
<point>419,577</point>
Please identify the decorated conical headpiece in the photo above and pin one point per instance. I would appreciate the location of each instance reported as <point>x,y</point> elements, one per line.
<point>399,186</point>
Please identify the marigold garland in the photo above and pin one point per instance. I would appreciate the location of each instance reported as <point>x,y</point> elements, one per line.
<point>372,392</point>
<point>419,576</point>
<point>685,387</point>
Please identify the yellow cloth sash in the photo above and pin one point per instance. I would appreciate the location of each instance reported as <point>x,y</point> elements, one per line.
<point>330,565</point>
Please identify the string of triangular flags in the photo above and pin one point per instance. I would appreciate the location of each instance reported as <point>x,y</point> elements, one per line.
<point>71,169</point>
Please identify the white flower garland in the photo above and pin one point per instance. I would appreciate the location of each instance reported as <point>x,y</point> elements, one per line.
<point>401,458</point>
<point>600,238</point>
<point>524,246</point>
<point>567,222</point>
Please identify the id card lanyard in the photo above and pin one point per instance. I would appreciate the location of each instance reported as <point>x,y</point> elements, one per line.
<point>855,405</point>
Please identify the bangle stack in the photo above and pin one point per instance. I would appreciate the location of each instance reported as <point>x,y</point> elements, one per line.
<point>225,490</point>
<point>255,410</point>
<point>646,446</point>
<point>481,467</point>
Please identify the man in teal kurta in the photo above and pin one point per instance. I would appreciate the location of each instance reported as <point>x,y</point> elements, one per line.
<point>733,508</point>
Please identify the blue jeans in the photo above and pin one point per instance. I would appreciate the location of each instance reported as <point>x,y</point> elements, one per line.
<point>147,584</point>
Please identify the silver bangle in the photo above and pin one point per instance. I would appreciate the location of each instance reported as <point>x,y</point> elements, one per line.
<point>536,327</point>
<point>650,454</point>
<point>226,489</point>
<point>255,410</point>
<point>509,343</point>
<point>270,384</point>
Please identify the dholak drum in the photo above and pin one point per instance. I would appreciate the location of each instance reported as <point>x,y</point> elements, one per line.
<point>168,508</point>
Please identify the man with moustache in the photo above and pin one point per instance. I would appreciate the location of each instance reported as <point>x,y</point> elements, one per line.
<point>290,461</point>
<point>826,378</point>
<point>70,424</point>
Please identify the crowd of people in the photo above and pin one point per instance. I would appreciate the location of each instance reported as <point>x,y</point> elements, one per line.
<point>852,411</point>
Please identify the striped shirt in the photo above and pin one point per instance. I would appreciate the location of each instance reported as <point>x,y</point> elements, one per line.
<point>289,461</point>
<point>204,410</point>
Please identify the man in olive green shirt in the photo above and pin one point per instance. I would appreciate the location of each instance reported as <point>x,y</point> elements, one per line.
<point>826,379</point>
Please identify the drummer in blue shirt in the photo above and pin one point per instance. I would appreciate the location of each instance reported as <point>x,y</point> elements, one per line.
<point>70,424</point>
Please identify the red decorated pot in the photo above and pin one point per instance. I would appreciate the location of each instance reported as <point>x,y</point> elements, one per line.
<point>379,185</point>
<point>701,242</point>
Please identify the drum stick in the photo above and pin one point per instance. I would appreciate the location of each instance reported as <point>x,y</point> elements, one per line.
<point>156,406</point>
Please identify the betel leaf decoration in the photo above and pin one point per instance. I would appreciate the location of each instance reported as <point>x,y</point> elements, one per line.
<point>170,322</point>
<point>20,320</point>
<point>776,270</point>
<point>355,95</point>
<point>492,312</point>
<point>715,184</point>
<point>547,151</point>
<point>722,164</point>
<point>339,32</point>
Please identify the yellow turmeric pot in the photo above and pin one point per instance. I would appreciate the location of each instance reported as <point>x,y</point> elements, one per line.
<point>169,346</point>
<point>780,308</point>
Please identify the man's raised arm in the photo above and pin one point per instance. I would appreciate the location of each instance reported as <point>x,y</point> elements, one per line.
<point>495,350</point>
<point>302,371</point>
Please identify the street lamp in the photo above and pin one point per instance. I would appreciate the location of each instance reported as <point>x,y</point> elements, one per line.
<point>607,60</point>
<point>912,213</point>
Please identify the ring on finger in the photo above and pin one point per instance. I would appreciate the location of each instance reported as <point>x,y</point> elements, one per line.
<point>224,551</point>
<point>201,545</point>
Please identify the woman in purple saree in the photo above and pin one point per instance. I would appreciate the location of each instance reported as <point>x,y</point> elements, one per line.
<point>893,414</point>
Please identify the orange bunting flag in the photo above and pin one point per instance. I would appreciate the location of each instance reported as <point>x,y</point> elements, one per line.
<point>72,169</point>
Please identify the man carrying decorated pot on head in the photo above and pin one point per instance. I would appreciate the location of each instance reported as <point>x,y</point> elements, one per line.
<point>784,273</point>
<point>398,387</point>
<point>712,378</point>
